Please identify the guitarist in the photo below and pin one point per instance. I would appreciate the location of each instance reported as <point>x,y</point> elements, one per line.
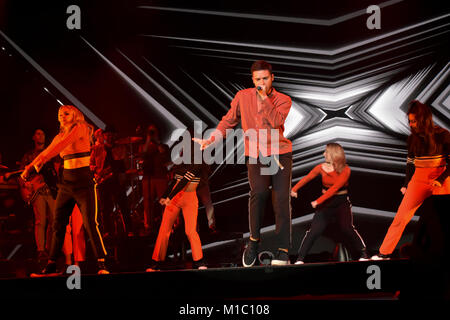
<point>39,191</point>
<point>106,166</point>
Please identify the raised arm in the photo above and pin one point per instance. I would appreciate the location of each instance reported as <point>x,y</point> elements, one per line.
<point>230,120</point>
<point>311,175</point>
<point>59,143</point>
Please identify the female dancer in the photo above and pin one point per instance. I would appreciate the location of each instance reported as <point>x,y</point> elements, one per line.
<point>333,203</point>
<point>181,195</point>
<point>76,183</point>
<point>427,172</point>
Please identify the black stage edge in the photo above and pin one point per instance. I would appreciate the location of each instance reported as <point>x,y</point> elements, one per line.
<point>319,289</point>
<point>309,281</point>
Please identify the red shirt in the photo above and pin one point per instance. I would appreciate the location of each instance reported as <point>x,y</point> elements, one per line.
<point>255,113</point>
<point>333,181</point>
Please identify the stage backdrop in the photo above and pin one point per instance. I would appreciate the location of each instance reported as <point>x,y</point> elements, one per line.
<point>350,68</point>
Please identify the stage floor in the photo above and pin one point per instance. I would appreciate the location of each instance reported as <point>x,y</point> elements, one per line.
<point>332,280</point>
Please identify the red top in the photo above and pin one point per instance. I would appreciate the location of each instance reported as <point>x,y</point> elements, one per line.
<point>333,181</point>
<point>258,117</point>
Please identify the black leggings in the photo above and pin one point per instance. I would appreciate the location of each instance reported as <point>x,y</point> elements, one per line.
<point>338,209</point>
<point>76,187</point>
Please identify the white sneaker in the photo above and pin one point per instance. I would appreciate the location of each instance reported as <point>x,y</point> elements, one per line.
<point>380,257</point>
<point>364,259</point>
<point>299,262</point>
<point>281,259</point>
<point>280,262</point>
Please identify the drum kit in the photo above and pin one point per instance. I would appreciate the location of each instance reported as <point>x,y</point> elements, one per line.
<point>134,170</point>
<point>129,140</point>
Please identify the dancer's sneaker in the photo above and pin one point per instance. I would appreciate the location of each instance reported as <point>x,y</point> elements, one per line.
<point>102,267</point>
<point>380,257</point>
<point>363,259</point>
<point>299,262</point>
<point>281,259</point>
<point>364,255</point>
<point>200,264</point>
<point>155,266</point>
<point>48,271</point>
<point>250,253</point>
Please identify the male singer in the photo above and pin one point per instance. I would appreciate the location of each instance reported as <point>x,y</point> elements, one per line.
<point>262,112</point>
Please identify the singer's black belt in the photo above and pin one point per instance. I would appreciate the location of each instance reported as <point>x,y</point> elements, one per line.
<point>76,155</point>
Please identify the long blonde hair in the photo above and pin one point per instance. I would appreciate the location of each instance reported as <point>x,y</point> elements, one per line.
<point>337,155</point>
<point>78,118</point>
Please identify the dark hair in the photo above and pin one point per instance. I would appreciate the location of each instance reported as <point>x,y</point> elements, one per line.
<point>36,129</point>
<point>152,130</point>
<point>425,128</point>
<point>261,65</point>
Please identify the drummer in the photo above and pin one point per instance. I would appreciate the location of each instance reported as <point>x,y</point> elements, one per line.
<point>156,157</point>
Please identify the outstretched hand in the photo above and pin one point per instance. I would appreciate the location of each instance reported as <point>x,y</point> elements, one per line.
<point>294,194</point>
<point>204,143</point>
<point>164,201</point>
<point>26,173</point>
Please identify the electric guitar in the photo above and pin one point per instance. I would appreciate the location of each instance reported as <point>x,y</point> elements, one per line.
<point>30,189</point>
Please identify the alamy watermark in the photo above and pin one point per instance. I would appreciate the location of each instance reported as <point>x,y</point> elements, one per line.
<point>374,20</point>
<point>374,280</point>
<point>74,280</point>
<point>74,20</point>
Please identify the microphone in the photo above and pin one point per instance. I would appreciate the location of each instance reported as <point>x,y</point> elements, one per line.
<point>258,88</point>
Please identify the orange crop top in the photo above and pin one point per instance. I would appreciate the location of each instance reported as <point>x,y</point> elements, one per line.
<point>77,140</point>
<point>332,181</point>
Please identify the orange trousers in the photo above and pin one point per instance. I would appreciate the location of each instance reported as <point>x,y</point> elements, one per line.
<point>188,203</point>
<point>419,188</point>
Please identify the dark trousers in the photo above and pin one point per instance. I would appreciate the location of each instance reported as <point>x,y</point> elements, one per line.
<point>76,187</point>
<point>430,258</point>
<point>111,193</point>
<point>336,209</point>
<point>153,189</point>
<point>204,195</point>
<point>281,197</point>
<point>431,241</point>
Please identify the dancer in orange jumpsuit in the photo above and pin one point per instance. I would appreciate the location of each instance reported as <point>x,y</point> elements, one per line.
<point>181,195</point>
<point>427,172</point>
